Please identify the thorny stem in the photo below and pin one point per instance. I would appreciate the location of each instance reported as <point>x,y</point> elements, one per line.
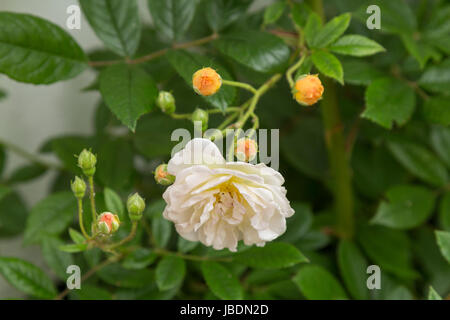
<point>158,53</point>
<point>80,218</point>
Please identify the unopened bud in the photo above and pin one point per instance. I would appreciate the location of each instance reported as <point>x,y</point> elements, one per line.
<point>246,149</point>
<point>202,116</point>
<point>87,161</point>
<point>135,206</point>
<point>78,187</point>
<point>166,102</point>
<point>162,176</point>
<point>308,89</point>
<point>206,81</point>
<point>108,223</point>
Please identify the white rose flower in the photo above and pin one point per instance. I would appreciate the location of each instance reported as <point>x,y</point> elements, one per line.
<point>219,203</point>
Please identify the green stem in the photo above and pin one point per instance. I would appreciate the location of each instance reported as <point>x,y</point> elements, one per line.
<point>125,240</point>
<point>341,182</point>
<point>80,218</point>
<point>245,86</point>
<point>92,199</point>
<point>292,69</point>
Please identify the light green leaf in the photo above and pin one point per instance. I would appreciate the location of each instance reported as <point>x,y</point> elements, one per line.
<point>312,28</point>
<point>56,259</point>
<point>76,236</point>
<point>388,101</point>
<point>433,295</point>
<point>113,203</point>
<point>419,49</point>
<point>331,31</point>
<point>221,281</point>
<point>116,23</point>
<point>260,51</point>
<point>443,241</point>
<point>437,110</point>
<point>356,45</point>
<point>50,216</point>
<point>274,12</point>
<point>186,64</point>
<point>329,65</point>
<point>407,206</point>
<point>300,14</point>
<point>129,92</point>
<point>436,78</point>
<point>417,160</point>
<point>34,50</point>
<point>353,267</point>
<point>73,248</point>
<point>170,272</point>
<point>139,259</point>
<point>222,13</point>
<point>27,278</point>
<point>172,18</point>
<point>316,283</point>
<point>273,255</point>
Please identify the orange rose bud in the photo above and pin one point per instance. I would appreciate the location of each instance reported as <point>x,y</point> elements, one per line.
<point>308,89</point>
<point>108,223</point>
<point>206,81</point>
<point>246,149</point>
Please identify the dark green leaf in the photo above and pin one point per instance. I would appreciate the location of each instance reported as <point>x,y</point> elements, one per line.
<point>185,246</point>
<point>172,17</point>
<point>388,101</point>
<point>115,275</point>
<point>51,215</point>
<point>316,283</point>
<point>444,212</point>
<point>440,141</point>
<point>436,110</point>
<point>221,281</point>
<point>260,51</point>
<point>356,45</point>
<point>66,148</point>
<point>115,22</point>
<point>443,241</point>
<point>13,213</point>
<point>274,12</point>
<point>34,50</point>
<point>298,224</point>
<point>139,259</point>
<point>222,13</point>
<point>329,65</point>
<point>436,78</point>
<point>358,72</point>
<point>170,272</point>
<point>27,278</point>
<point>90,292</point>
<point>2,158</point>
<point>114,203</point>
<point>26,173</point>
<point>129,92</point>
<point>161,228</point>
<point>56,259</point>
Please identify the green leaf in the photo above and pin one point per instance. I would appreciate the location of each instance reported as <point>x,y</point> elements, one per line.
<point>298,224</point>
<point>221,281</point>
<point>316,283</point>
<point>260,51</point>
<point>139,259</point>
<point>34,50</point>
<point>273,255</point>
<point>26,173</point>
<point>353,267</point>
<point>417,159</point>
<point>185,246</point>
<point>76,236</point>
<point>358,72</point>
<point>170,272</point>
<point>27,278</point>
<point>433,295</point>
<point>444,212</point>
<point>436,110</point>
<point>356,45</point>
<point>440,142</point>
<point>331,31</point>
<point>13,213</point>
<point>114,203</point>
<point>443,241</point>
<point>56,259</point>
<point>161,228</point>
<point>407,206</point>
<point>116,275</point>
<point>66,148</point>
<point>2,158</point>
<point>436,78</point>
<point>300,14</point>
<point>172,18</point>
<point>377,242</point>
<point>50,216</point>
<point>274,12</point>
<point>329,65</point>
<point>186,64</point>
<point>312,28</point>
<point>222,13</point>
<point>116,23</point>
<point>90,292</point>
<point>129,92</point>
<point>73,248</point>
<point>388,101</point>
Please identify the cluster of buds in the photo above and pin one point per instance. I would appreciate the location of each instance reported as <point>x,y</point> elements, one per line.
<point>87,161</point>
<point>108,223</point>
<point>307,89</point>
<point>135,207</point>
<point>246,149</point>
<point>206,81</point>
<point>166,102</point>
<point>162,176</point>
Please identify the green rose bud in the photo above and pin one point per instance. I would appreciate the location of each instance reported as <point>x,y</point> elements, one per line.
<point>135,206</point>
<point>87,161</point>
<point>201,115</point>
<point>78,187</point>
<point>162,176</point>
<point>166,102</point>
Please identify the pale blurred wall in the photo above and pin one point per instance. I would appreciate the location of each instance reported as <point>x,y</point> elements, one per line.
<point>32,114</point>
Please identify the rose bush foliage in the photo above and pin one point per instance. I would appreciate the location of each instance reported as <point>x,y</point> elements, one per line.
<point>364,151</point>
